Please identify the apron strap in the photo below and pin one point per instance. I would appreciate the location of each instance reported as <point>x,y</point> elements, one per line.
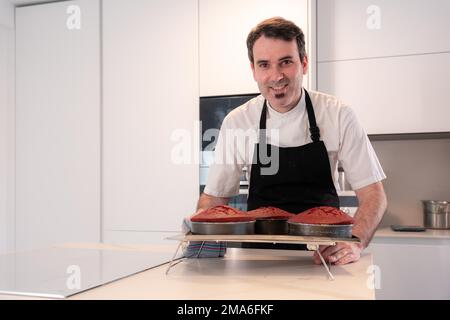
<point>313,128</point>
<point>262,124</point>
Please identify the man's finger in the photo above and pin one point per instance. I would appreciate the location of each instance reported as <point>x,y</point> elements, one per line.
<point>330,250</point>
<point>335,257</point>
<point>325,251</point>
<point>351,257</point>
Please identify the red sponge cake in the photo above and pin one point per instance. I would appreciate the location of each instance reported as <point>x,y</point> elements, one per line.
<point>221,214</point>
<point>322,215</point>
<point>270,213</point>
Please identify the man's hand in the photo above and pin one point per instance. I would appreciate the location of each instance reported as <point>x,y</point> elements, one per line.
<point>372,204</point>
<point>206,201</point>
<point>341,253</point>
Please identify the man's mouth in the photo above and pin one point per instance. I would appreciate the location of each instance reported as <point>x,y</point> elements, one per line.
<point>279,90</point>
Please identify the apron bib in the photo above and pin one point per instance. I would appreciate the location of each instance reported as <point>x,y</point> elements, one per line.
<point>303,179</point>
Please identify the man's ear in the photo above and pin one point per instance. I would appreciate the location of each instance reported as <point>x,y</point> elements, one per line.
<point>305,64</point>
<point>252,65</point>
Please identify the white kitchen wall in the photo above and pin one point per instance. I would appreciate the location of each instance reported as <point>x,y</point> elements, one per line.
<point>6,127</point>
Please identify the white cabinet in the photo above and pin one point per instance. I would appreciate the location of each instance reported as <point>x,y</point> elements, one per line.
<point>352,29</point>
<point>388,60</point>
<point>392,95</point>
<point>412,268</point>
<point>150,111</point>
<point>57,123</point>
<point>224,27</point>
<point>6,136</point>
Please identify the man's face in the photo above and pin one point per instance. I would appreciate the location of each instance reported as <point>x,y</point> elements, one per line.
<point>278,71</point>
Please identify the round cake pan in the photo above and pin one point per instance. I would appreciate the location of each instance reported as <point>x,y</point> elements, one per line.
<point>271,226</point>
<point>321,230</point>
<point>246,227</point>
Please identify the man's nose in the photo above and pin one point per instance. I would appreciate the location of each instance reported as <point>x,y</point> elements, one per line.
<point>276,74</point>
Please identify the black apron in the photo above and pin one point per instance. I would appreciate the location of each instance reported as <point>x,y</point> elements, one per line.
<point>303,179</point>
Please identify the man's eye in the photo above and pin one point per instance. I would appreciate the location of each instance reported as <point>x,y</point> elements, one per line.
<point>286,62</point>
<point>263,65</point>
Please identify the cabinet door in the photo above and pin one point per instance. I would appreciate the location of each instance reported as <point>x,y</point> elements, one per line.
<point>57,123</point>
<point>353,29</point>
<point>410,270</point>
<point>150,106</point>
<point>224,27</point>
<point>7,138</point>
<point>392,95</point>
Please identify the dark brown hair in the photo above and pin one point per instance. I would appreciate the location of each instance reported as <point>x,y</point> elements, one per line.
<point>277,28</point>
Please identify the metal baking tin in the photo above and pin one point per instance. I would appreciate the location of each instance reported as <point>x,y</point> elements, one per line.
<point>271,226</point>
<point>211,228</point>
<point>321,230</point>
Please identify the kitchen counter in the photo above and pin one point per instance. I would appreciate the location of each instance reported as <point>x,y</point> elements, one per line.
<point>387,235</point>
<point>242,274</point>
<point>427,234</point>
<point>413,265</point>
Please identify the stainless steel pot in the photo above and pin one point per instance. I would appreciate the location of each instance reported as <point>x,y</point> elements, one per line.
<point>436,214</point>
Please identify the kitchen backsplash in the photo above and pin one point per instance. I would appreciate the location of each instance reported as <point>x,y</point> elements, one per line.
<point>416,170</point>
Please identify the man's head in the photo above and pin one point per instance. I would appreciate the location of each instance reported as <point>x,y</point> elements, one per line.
<point>276,49</point>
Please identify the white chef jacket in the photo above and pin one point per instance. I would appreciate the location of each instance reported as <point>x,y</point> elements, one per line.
<point>342,134</point>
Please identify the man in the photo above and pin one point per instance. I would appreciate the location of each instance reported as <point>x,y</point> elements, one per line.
<point>308,132</point>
